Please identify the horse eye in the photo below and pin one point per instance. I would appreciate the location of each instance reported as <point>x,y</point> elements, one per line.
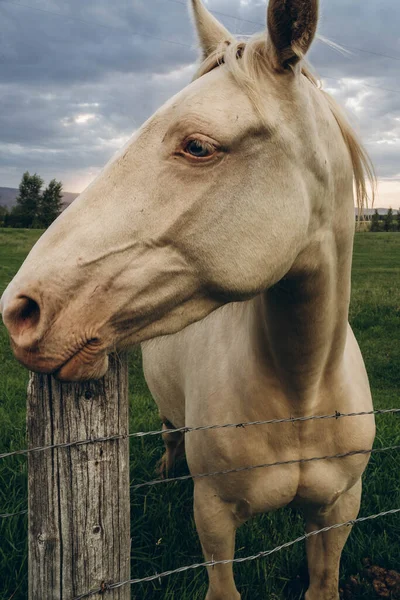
<point>199,149</point>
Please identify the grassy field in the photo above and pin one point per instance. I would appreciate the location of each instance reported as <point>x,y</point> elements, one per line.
<point>163,532</point>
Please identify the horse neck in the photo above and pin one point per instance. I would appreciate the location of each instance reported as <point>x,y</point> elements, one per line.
<point>302,321</point>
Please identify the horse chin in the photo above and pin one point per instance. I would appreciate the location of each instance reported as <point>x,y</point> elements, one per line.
<point>81,367</point>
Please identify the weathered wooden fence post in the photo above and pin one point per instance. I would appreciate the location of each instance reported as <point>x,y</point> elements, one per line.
<point>79,517</point>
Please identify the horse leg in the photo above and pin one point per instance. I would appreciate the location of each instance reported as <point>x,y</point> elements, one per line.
<point>174,448</point>
<point>216,525</point>
<point>324,549</point>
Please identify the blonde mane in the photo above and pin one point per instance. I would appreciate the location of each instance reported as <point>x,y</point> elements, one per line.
<point>248,73</point>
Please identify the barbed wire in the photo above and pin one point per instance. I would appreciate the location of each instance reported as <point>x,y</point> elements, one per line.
<point>335,415</point>
<point>262,554</point>
<point>241,469</point>
<point>140,434</point>
<point>248,468</point>
<point>263,466</point>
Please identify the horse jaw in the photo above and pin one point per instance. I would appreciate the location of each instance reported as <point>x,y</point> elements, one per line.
<point>159,240</point>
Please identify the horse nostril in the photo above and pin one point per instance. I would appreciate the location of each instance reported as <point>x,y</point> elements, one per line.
<point>21,316</point>
<point>30,312</point>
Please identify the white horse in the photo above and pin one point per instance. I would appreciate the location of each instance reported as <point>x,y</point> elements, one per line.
<point>237,192</point>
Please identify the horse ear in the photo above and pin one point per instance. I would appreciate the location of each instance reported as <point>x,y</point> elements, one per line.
<point>210,31</point>
<point>291,27</point>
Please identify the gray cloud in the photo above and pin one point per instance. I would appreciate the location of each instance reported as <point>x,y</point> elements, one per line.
<point>74,87</point>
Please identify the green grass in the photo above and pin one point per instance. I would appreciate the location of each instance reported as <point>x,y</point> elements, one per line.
<point>163,532</point>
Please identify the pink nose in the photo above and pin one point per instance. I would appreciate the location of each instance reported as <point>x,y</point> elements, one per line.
<point>22,316</point>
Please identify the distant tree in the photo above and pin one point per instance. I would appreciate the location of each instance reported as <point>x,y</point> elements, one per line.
<point>375,221</point>
<point>3,215</point>
<point>25,212</point>
<point>50,205</point>
<point>398,220</point>
<point>388,222</point>
<point>33,208</point>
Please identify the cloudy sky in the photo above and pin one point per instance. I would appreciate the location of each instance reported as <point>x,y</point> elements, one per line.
<point>77,77</point>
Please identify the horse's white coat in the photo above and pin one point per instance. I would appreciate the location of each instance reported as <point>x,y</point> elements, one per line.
<point>263,223</point>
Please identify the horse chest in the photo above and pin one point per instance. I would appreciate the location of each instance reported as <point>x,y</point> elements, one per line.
<point>274,467</point>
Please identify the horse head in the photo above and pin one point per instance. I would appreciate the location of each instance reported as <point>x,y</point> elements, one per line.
<point>211,201</point>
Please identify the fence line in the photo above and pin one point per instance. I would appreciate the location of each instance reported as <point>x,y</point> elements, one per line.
<point>153,482</point>
<point>140,434</point>
<point>213,563</point>
<point>241,469</point>
<point>263,466</point>
<point>337,415</point>
<point>111,586</point>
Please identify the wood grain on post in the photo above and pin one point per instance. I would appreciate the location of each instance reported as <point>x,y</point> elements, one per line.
<point>79,510</point>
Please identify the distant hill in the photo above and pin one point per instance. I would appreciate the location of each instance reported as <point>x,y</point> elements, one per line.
<point>8,197</point>
<point>381,211</point>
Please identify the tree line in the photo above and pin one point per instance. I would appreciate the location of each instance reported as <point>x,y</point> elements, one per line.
<point>35,208</point>
<point>386,222</point>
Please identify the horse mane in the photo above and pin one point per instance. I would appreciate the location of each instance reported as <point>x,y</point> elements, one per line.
<point>247,72</point>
